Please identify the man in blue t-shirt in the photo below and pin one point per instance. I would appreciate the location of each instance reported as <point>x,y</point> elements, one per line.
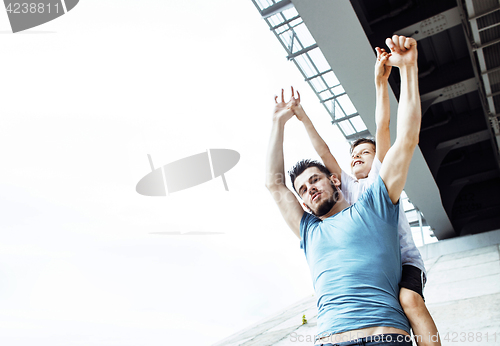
<point>353,251</point>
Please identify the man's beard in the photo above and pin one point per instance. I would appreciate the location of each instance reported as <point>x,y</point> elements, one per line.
<point>328,204</point>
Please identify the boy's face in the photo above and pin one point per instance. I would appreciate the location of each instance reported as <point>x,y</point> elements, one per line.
<point>361,160</point>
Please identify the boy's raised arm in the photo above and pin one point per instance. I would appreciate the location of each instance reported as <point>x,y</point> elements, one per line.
<point>318,143</point>
<point>397,161</point>
<point>382,108</point>
<point>287,203</point>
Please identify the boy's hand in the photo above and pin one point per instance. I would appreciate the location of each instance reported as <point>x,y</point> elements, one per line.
<point>382,70</point>
<point>403,51</point>
<point>283,110</point>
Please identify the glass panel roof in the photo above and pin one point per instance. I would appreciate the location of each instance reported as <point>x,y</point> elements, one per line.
<point>300,46</point>
<point>318,84</point>
<point>319,59</point>
<point>358,123</point>
<point>290,13</point>
<point>276,19</point>
<point>305,37</point>
<point>325,95</point>
<point>306,67</point>
<point>263,3</point>
<point>330,78</point>
<point>329,105</point>
<point>346,104</point>
<point>338,90</point>
<point>346,127</point>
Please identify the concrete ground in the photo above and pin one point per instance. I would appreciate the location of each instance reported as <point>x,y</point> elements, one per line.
<point>462,294</point>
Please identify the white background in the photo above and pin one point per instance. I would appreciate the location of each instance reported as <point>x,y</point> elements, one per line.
<point>84,99</point>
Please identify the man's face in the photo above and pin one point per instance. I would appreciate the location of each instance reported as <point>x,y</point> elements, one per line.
<point>317,191</point>
<point>362,159</point>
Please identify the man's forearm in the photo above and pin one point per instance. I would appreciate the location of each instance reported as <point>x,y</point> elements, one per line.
<point>275,165</point>
<point>409,111</point>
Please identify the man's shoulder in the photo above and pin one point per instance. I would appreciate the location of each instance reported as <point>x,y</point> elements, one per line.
<point>307,220</point>
<point>308,217</point>
<point>375,189</point>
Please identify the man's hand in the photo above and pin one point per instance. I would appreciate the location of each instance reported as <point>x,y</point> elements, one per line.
<point>288,205</point>
<point>382,70</point>
<point>283,110</point>
<point>297,107</point>
<point>403,51</point>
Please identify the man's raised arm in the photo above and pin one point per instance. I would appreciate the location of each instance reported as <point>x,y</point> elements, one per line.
<point>287,203</point>
<point>397,161</point>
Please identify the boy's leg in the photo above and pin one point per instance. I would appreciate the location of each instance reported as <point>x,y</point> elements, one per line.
<point>412,301</point>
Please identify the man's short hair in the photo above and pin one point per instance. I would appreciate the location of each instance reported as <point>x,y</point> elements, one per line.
<point>361,141</point>
<point>302,165</point>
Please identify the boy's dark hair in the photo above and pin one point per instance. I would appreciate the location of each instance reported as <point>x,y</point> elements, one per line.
<point>302,165</point>
<point>361,141</point>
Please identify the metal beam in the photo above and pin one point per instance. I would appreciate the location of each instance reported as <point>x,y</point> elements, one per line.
<point>482,46</point>
<point>493,94</point>
<point>477,47</point>
<point>483,14</point>
<point>319,74</point>
<point>472,33</point>
<point>276,8</point>
<point>489,27</point>
<point>495,125</point>
<point>495,69</point>
<point>451,91</point>
<point>329,88</point>
<point>441,123</point>
<point>433,25</point>
<point>464,141</point>
<point>338,120</point>
<point>302,51</point>
<point>475,178</point>
<point>357,135</point>
<point>333,97</point>
<point>284,23</point>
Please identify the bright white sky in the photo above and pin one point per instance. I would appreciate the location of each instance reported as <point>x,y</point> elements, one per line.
<point>85,98</point>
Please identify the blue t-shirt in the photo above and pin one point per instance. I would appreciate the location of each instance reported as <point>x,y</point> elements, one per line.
<point>355,264</point>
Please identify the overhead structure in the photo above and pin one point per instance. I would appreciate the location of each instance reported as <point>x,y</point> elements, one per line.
<point>285,22</point>
<point>455,173</point>
<point>459,76</point>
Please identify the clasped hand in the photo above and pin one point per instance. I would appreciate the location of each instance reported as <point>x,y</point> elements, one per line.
<point>285,110</point>
<point>403,51</point>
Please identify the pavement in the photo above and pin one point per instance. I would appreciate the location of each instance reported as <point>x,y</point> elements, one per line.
<point>462,294</point>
